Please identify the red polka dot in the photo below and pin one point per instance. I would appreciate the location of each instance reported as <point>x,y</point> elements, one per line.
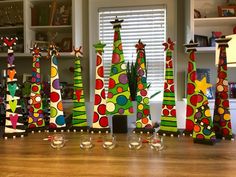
<point>112,83</point>
<point>31,109</point>
<point>103,121</point>
<point>103,94</point>
<point>222,75</point>
<point>199,98</point>
<point>218,101</point>
<point>34,69</point>
<point>173,112</point>
<point>189,125</point>
<point>172,88</point>
<point>97,100</point>
<point>131,109</point>
<point>222,123</point>
<point>52,125</point>
<point>40,122</point>
<point>171,64</point>
<point>40,111</point>
<point>190,88</point>
<point>116,36</point>
<point>225,131</point>
<point>192,56</point>
<point>99,84</point>
<point>165,85</point>
<point>99,60</point>
<point>205,121</point>
<point>200,136</point>
<point>95,117</point>
<point>224,95</point>
<point>37,106</point>
<point>35,88</point>
<point>141,54</point>
<point>163,106</point>
<point>115,58</point>
<point>189,111</point>
<point>190,67</point>
<point>229,124</point>
<point>169,107</point>
<point>193,100</point>
<point>225,68</point>
<point>143,92</point>
<point>170,81</point>
<point>225,103</point>
<point>100,71</point>
<point>146,111</point>
<point>168,58</point>
<point>102,109</point>
<point>109,95</point>
<point>193,76</point>
<point>54,96</point>
<point>165,112</point>
<point>32,126</point>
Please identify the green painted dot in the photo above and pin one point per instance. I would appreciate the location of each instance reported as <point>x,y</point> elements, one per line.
<point>53,112</point>
<point>138,125</point>
<point>146,100</point>
<point>139,98</point>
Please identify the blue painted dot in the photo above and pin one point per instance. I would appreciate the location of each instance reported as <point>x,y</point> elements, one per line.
<point>121,100</point>
<point>114,70</point>
<point>60,120</point>
<point>144,80</point>
<point>55,61</point>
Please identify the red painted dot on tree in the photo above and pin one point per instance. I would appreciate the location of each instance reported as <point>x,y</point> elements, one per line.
<point>190,88</point>
<point>32,126</point>
<point>229,124</point>
<point>112,83</point>
<point>109,95</point>
<point>222,123</point>
<point>141,54</point>
<point>99,60</point>
<point>206,121</point>
<point>224,95</point>
<point>143,93</point>
<point>40,122</point>
<point>173,112</point>
<point>37,106</point>
<point>190,67</point>
<point>102,109</point>
<point>224,67</point>
<point>193,100</point>
<point>193,76</point>
<point>165,112</point>
<point>225,132</point>
<point>169,106</point>
<point>97,100</point>
<point>189,125</point>
<point>172,88</point>
<point>225,103</point>
<point>222,75</point>
<point>170,81</point>
<point>192,56</point>
<point>103,121</point>
<point>52,125</point>
<point>165,85</point>
<point>40,111</point>
<point>99,84</point>
<point>103,95</point>
<point>189,111</point>
<point>54,96</point>
<point>218,101</point>
<point>200,136</point>
<point>116,36</point>
<point>146,112</point>
<point>171,64</point>
<point>95,117</point>
<point>31,109</point>
<point>100,71</point>
<point>35,88</point>
<point>199,98</point>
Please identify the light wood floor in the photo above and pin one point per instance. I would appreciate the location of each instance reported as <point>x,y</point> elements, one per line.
<point>33,157</point>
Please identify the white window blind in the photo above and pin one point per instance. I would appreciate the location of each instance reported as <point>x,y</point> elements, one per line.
<point>145,23</point>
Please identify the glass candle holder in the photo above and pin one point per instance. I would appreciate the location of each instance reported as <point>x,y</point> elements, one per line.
<point>57,141</point>
<point>156,143</point>
<point>109,141</point>
<point>135,141</point>
<point>86,142</point>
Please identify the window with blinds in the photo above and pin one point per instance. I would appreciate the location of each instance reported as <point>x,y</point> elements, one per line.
<point>145,23</point>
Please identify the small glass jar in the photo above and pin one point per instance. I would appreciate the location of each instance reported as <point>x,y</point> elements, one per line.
<point>135,141</point>
<point>109,141</point>
<point>86,142</point>
<point>156,143</point>
<point>57,141</point>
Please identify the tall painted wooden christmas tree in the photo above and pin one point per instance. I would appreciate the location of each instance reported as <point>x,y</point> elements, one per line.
<point>100,119</point>
<point>57,119</point>
<point>79,118</point>
<point>36,115</point>
<point>203,127</point>
<point>14,124</point>
<point>168,124</point>
<point>222,117</point>
<point>118,97</point>
<point>143,121</point>
<point>191,94</point>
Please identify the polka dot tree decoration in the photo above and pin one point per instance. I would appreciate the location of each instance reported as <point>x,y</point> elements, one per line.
<point>14,122</point>
<point>143,121</point>
<point>191,94</point>
<point>168,124</point>
<point>100,119</point>
<point>118,97</point>
<point>79,117</point>
<point>36,117</point>
<point>222,117</point>
<point>57,119</point>
<point>203,131</point>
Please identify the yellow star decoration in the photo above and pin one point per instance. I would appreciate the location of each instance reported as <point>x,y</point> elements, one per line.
<point>202,85</point>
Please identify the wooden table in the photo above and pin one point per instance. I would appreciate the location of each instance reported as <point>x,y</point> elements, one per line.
<point>31,157</point>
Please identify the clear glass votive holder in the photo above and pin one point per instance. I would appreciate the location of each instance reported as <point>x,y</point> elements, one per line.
<point>156,143</point>
<point>57,141</point>
<point>109,141</point>
<point>86,142</point>
<point>135,141</point>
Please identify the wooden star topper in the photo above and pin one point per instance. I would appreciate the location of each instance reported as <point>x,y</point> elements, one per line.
<point>169,45</point>
<point>53,50</point>
<point>77,52</point>
<point>36,50</point>
<point>9,42</point>
<point>202,85</point>
<point>99,46</point>
<point>140,46</point>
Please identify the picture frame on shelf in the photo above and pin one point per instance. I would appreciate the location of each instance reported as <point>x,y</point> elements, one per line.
<point>201,40</point>
<point>227,11</point>
<point>66,45</point>
<point>26,77</point>
<point>232,89</point>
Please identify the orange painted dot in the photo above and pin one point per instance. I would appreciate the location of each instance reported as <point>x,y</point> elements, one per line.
<point>140,86</point>
<point>60,106</point>
<point>119,89</point>
<point>145,120</point>
<point>197,128</point>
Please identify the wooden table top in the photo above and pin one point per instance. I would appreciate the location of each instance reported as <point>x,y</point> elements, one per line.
<point>33,157</point>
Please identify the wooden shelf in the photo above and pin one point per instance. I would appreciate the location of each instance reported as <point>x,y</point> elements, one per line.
<point>217,21</point>
<point>205,49</point>
<point>52,28</point>
<point>11,27</point>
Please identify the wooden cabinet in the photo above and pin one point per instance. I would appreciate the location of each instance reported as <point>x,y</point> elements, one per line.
<point>203,18</point>
<point>43,22</point>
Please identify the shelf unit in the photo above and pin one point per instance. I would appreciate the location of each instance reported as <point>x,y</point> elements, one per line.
<point>64,34</point>
<point>209,21</point>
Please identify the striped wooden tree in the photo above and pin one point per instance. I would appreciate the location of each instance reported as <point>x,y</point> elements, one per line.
<point>14,123</point>
<point>100,119</point>
<point>143,121</point>
<point>57,119</point>
<point>36,115</point>
<point>222,117</point>
<point>191,93</point>
<point>168,124</point>
<point>79,118</point>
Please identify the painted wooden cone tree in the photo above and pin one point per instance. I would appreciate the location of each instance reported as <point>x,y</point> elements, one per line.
<point>100,119</point>
<point>36,120</point>
<point>118,97</point>
<point>222,118</point>
<point>168,124</point>
<point>57,119</point>
<point>79,118</point>
<point>14,124</point>
<point>143,121</point>
<point>203,131</point>
<point>191,94</point>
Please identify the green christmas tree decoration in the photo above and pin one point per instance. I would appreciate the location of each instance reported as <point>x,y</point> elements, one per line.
<point>143,122</point>
<point>79,117</point>
<point>191,93</point>
<point>222,117</point>
<point>118,97</point>
<point>203,131</point>
<point>168,124</point>
<point>14,122</point>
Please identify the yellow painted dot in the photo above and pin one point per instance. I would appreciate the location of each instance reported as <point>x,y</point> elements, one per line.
<point>221,110</point>
<point>36,114</point>
<point>142,66</point>
<point>30,120</point>
<point>53,71</point>
<point>220,88</point>
<point>140,107</point>
<point>208,113</point>
<point>227,117</point>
